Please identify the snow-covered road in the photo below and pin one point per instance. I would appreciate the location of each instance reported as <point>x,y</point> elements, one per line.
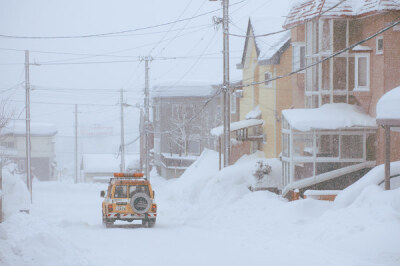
<point>204,220</point>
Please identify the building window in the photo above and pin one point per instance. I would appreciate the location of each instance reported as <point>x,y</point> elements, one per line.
<point>21,165</point>
<point>267,81</point>
<point>233,103</point>
<point>157,113</point>
<point>299,56</point>
<point>362,72</point>
<point>379,45</point>
<point>157,145</point>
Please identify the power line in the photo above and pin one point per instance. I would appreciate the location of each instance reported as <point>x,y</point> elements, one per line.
<point>63,103</point>
<point>111,33</point>
<point>170,28</point>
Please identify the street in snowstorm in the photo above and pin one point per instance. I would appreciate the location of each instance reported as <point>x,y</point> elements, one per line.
<point>204,133</point>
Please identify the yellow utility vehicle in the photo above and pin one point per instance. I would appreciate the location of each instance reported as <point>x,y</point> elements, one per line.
<point>129,197</point>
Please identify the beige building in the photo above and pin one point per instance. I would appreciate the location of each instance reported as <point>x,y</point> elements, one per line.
<point>265,58</point>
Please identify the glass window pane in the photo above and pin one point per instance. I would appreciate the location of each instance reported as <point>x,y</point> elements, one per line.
<point>326,35</point>
<point>303,170</point>
<point>339,31</point>
<point>326,75</point>
<point>315,71</point>
<point>371,147</point>
<point>120,192</point>
<point>339,73</point>
<point>352,147</point>
<point>339,99</point>
<point>351,73</point>
<point>328,146</point>
<point>325,99</point>
<point>303,145</point>
<point>322,168</point>
<point>302,56</point>
<point>362,71</point>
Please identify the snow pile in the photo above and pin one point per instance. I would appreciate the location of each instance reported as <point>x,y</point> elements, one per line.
<point>341,115</point>
<point>15,193</point>
<point>374,177</point>
<point>203,191</point>
<point>365,231</point>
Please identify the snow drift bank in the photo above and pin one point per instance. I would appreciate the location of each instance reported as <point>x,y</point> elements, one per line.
<point>204,191</point>
<point>364,231</point>
<point>372,178</point>
<point>15,193</point>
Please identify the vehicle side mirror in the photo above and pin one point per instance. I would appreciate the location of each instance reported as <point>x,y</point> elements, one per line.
<point>154,194</point>
<point>102,193</point>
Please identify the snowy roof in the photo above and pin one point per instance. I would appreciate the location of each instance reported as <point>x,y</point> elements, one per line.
<point>388,106</point>
<point>361,48</point>
<point>106,163</point>
<point>268,46</point>
<point>37,129</point>
<point>328,116</point>
<point>172,90</point>
<point>303,10</point>
<point>254,114</point>
<point>219,131</point>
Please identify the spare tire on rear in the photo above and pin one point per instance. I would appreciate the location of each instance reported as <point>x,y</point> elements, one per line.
<point>140,202</point>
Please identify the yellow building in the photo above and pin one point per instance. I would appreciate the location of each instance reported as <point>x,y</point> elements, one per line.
<point>265,58</point>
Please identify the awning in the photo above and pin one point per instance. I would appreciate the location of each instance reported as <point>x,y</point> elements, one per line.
<point>235,126</point>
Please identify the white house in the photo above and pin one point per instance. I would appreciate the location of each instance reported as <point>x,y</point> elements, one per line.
<point>43,156</point>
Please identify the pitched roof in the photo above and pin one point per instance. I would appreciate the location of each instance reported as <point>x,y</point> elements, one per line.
<point>266,46</point>
<point>37,129</point>
<point>107,163</point>
<point>303,10</point>
<point>182,90</point>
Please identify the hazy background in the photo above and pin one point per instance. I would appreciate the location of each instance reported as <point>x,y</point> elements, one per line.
<point>88,71</point>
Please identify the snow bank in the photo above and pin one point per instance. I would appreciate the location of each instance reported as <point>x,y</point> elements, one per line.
<point>15,193</point>
<point>204,191</point>
<point>340,115</point>
<point>373,177</point>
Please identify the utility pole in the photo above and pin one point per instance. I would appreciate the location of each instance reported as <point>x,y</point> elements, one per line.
<point>76,143</point>
<point>122,134</point>
<point>226,114</point>
<point>226,87</point>
<point>28,125</point>
<point>147,116</point>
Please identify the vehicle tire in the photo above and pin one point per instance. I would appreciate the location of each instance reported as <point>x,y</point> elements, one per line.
<point>145,223</point>
<point>140,203</point>
<point>108,223</point>
<point>152,223</point>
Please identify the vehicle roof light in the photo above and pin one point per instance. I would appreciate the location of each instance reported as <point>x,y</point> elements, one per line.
<point>128,175</point>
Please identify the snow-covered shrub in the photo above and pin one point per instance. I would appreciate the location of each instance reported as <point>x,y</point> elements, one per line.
<point>261,169</point>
